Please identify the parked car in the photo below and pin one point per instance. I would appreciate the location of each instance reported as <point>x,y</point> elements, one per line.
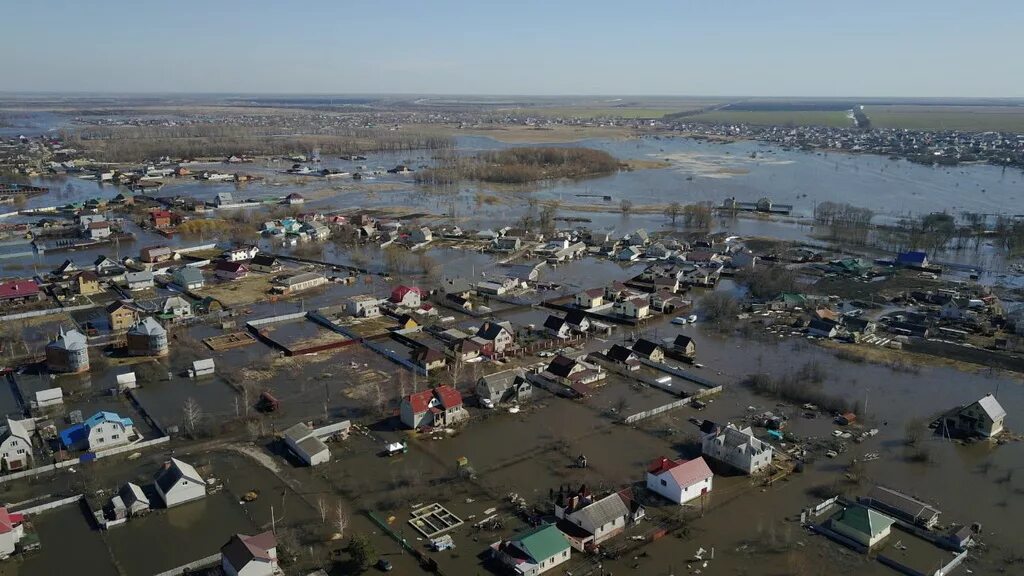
<point>384,565</point>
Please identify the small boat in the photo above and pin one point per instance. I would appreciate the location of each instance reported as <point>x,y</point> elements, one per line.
<point>692,318</point>
<point>679,320</point>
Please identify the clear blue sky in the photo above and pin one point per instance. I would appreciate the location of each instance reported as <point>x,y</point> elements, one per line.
<point>664,47</point>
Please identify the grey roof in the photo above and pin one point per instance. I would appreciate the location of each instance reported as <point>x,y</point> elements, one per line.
<point>144,276</point>
<point>70,340</point>
<point>298,432</point>
<point>992,407</point>
<point>189,275</point>
<point>148,327</point>
<point>312,446</point>
<point>300,278</point>
<point>173,471</point>
<point>175,302</point>
<point>902,503</point>
<point>604,511</point>
<point>503,380</point>
<point>131,493</point>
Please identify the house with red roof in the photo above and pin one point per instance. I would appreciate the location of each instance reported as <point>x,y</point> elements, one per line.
<point>11,531</point>
<point>679,480</point>
<point>231,270</point>
<point>408,296</point>
<point>160,218</point>
<point>436,407</point>
<point>14,291</point>
<point>250,555</point>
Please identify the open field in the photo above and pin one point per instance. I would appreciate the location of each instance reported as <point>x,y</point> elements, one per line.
<point>529,134</point>
<point>610,112</point>
<point>972,118</point>
<point>832,118</point>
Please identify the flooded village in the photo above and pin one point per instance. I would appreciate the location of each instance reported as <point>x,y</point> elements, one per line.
<point>423,349</point>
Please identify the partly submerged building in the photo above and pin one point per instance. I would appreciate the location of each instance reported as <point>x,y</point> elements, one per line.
<point>69,353</point>
<point>147,338</point>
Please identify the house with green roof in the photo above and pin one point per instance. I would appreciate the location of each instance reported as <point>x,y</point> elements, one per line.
<point>863,525</point>
<point>533,552</point>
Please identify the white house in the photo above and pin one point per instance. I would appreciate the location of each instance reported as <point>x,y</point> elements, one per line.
<point>533,552</point>
<point>139,280</point>
<point>862,524</point>
<point>500,334</point>
<point>982,418</point>
<point>679,480</point>
<point>176,307</point>
<point>737,448</point>
<point>557,327</point>
<point>637,308</point>
<point>241,254</point>
<point>102,431</point>
<point>587,521</point>
<point>590,298</point>
<point>16,446</point>
<point>250,555</point>
<point>202,368</point>
<point>189,278</point>
<point>11,531</point>
<point>306,446</point>
<point>440,407</point>
<point>363,306</point>
<point>178,482</point>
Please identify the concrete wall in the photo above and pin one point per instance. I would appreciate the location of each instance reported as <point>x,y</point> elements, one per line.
<point>66,463</point>
<point>50,505</point>
<point>212,560</point>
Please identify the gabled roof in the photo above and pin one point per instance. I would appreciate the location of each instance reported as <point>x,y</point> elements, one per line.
<point>594,292</point>
<point>420,401</point>
<point>554,322</point>
<point>682,341</point>
<point>9,521</point>
<point>561,366</point>
<point>189,275</point>
<point>241,549</point>
<point>175,470</point>
<point>604,511</point>
<point>542,542</point>
<point>992,407</point>
<point>233,267</point>
<point>645,347</point>
<point>264,260</point>
<point>576,318</point>
<point>18,289</point>
<point>490,330</point>
<point>619,353</point>
<point>70,340</point>
<point>448,396</point>
<point>685,473</point>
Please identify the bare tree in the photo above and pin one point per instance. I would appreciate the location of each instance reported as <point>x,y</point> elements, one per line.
<point>379,401</point>
<point>673,211</point>
<point>340,520</point>
<point>323,509</point>
<point>626,206</point>
<point>192,415</point>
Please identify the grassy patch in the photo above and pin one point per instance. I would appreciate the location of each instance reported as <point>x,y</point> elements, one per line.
<point>776,117</point>
<point>968,118</point>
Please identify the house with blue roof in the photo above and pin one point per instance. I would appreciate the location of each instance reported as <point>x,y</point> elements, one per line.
<point>102,431</point>
<point>912,259</point>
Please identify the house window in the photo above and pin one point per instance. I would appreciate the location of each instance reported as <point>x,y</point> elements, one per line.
<point>21,450</point>
<point>99,440</point>
<point>115,436</point>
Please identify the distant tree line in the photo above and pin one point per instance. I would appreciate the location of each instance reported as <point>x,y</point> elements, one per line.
<point>521,165</point>
<point>138,143</point>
